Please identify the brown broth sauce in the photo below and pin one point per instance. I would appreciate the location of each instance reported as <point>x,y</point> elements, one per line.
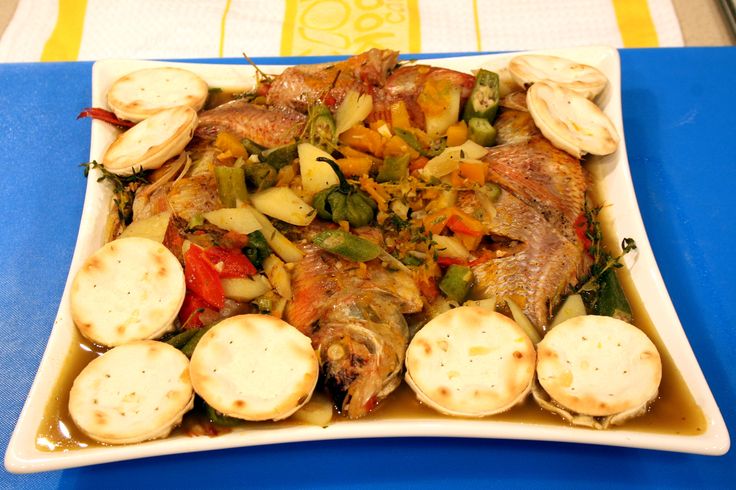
<point>674,411</point>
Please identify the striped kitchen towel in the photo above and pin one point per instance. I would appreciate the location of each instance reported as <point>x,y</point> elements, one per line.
<point>64,30</point>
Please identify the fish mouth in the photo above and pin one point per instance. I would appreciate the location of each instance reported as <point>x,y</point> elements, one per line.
<point>362,344</point>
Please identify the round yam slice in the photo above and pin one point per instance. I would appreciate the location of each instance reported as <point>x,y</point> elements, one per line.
<point>143,93</point>
<point>470,362</point>
<point>254,367</point>
<point>570,121</point>
<point>130,289</point>
<point>598,366</point>
<point>132,393</point>
<point>585,80</point>
<point>150,143</point>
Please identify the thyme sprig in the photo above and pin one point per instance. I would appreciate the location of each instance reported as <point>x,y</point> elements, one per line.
<point>602,259</point>
<point>123,187</point>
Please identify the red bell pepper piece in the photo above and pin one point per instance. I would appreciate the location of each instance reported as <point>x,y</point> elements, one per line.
<point>234,263</point>
<point>106,116</point>
<point>581,226</point>
<point>202,278</point>
<point>445,261</point>
<point>190,310</point>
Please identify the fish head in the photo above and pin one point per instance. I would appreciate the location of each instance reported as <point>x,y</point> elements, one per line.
<point>362,343</point>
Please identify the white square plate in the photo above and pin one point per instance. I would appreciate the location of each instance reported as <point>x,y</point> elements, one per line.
<point>611,174</point>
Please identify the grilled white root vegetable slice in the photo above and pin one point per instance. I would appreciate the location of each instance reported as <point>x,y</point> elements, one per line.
<point>143,93</point>
<point>283,203</point>
<point>254,367</point>
<point>130,289</point>
<point>132,393</point>
<point>470,362</point>
<point>599,366</point>
<point>150,143</point>
<point>570,121</point>
<point>586,80</point>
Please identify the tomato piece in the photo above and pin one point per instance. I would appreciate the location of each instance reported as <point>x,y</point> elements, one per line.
<point>202,278</point>
<point>445,261</point>
<point>106,116</point>
<point>190,310</point>
<point>234,263</point>
<point>485,256</point>
<point>465,225</point>
<point>581,229</point>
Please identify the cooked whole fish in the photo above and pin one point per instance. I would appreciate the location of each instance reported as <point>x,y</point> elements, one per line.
<point>267,126</point>
<point>354,316</point>
<point>538,265</point>
<point>300,86</point>
<point>408,83</point>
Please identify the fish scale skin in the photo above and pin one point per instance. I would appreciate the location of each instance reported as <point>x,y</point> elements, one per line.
<point>542,176</point>
<point>268,127</point>
<point>541,271</point>
<point>300,86</point>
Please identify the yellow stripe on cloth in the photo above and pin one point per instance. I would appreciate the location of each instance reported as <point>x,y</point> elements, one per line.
<point>222,27</point>
<point>477,25</point>
<point>66,38</point>
<point>635,23</point>
<point>323,27</point>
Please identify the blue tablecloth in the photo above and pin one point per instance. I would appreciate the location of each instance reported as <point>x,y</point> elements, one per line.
<point>679,123</point>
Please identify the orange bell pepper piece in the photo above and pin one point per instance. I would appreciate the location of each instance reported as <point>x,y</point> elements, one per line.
<point>363,139</point>
<point>474,172</point>
<point>457,134</point>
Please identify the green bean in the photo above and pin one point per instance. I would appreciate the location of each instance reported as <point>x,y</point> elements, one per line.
<point>347,245</point>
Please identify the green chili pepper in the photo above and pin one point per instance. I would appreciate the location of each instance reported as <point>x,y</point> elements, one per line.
<point>411,260</point>
<point>483,101</point>
<point>410,138</point>
<point>481,131</point>
<point>188,348</point>
<point>344,202</point>
<point>611,298</point>
<point>179,340</point>
<point>457,282</point>
<point>257,249</point>
<point>322,131</point>
<point>261,175</point>
<point>231,185</point>
<point>280,156</point>
<point>218,418</point>
<point>252,147</point>
<point>347,245</point>
<point>394,169</point>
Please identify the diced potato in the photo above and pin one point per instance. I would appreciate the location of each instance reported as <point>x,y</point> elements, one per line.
<point>472,150</point>
<point>353,110</point>
<point>443,164</point>
<point>572,307</point>
<point>316,175</point>
<point>450,247</point>
<point>277,274</point>
<point>278,242</point>
<point>245,288</point>
<point>282,203</point>
<point>317,411</point>
<point>521,319</point>
<point>240,220</point>
<point>153,228</point>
